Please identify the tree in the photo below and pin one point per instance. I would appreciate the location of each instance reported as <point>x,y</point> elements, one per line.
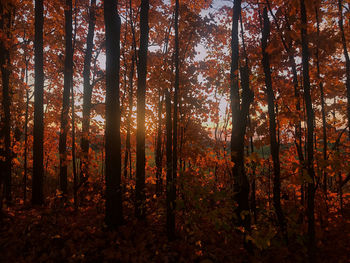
<point>240,111</point>
<point>68,79</point>
<point>38,145</point>
<point>170,193</point>
<point>274,145</point>
<point>310,133</point>
<point>347,59</point>
<point>322,97</point>
<point>141,104</point>
<point>347,72</point>
<point>87,94</point>
<point>5,64</point>
<point>158,153</point>
<point>127,157</point>
<point>176,94</point>
<point>114,208</point>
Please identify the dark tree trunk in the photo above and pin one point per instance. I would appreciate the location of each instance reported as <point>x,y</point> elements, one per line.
<point>131,91</point>
<point>170,194</point>
<point>25,175</point>
<point>289,49</point>
<point>240,113</point>
<point>68,76</point>
<point>38,144</point>
<point>74,161</point>
<point>5,64</point>
<point>347,64</point>
<point>141,99</point>
<point>159,156</point>
<point>310,134</point>
<point>323,111</point>
<point>347,59</point>
<point>114,209</point>
<point>128,128</point>
<point>85,141</point>
<point>176,94</point>
<point>253,190</point>
<point>274,145</point>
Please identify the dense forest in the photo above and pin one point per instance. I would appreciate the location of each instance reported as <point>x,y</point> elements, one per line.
<point>175,131</point>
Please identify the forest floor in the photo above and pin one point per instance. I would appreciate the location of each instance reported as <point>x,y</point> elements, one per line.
<point>61,234</point>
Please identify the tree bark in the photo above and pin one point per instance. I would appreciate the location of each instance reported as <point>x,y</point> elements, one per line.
<point>68,76</point>
<point>5,68</point>
<point>274,145</point>
<point>347,59</point>
<point>240,113</point>
<point>131,91</point>
<point>25,174</point>
<point>159,156</point>
<point>114,209</point>
<point>176,94</point>
<point>297,126</point>
<point>141,100</point>
<point>310,134</point>
<point>170,194</point>
<point>323,111</point>
<point>38,144</point>
<point>85,141</point>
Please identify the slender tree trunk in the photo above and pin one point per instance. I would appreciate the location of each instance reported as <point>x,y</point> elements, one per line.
<point>170,194</point>
<point>240,113</point>
<point>85,141</point>
<point>128,128</point>
<point>74,162</point>
<point>38,144</point>
<point>159,156</point>
<point>274,145</point>
<point>131,91</point>
<point>114,208</point>
<point>324,122</point>
<point>25,175</point>
<point>347,59</point>
<point>253,190</point>
<point>176,94</point>
<point>310,134</point>
<point>68,76</point>
<point>347,66</point>
<point>141,100</point>
<point>289,49</point>
<point>5,64</point>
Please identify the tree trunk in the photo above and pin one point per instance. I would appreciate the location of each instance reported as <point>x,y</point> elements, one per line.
<point>347,59</point>
<point>85,141</point>
<point>38,144</point>
<point>274,145</point>
<point>131,83</point>
<point>176,94</point>
<point>347,64</point>
<point>310,134</point>
<point>128,128</point>
<point>253,183</point>
<point>289,49</point>
<point>240,113</point>
<point>5,64</point>
<point>324,122</point>
<point>68,76</point>
<point>141,100</point>
<point>159,156</point>
<point>114,209</point>
<point>170,194</point>
<point>25,175</point>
